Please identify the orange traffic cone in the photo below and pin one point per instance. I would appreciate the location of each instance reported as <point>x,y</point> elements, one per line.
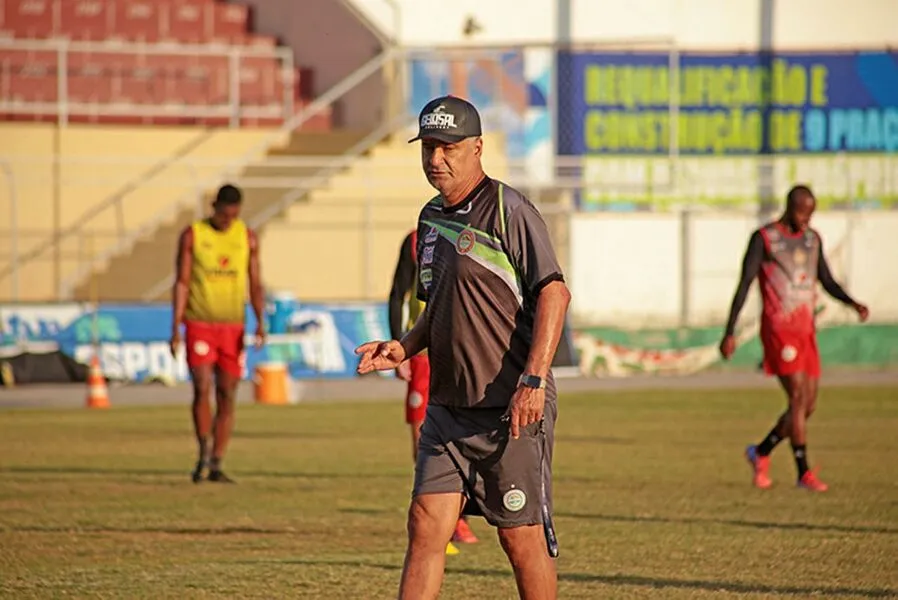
<point>97,394</point>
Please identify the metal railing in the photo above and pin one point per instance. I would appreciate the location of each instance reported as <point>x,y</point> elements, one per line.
<point>162,82</point>
<point>377,186</point>
<point>495,79</point>
<point>227,170</point>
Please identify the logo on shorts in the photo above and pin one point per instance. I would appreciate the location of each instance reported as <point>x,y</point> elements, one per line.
<point>200,348</point>
<point>789,353</point>
<point>514,500</point>
<point>465,241</point>
<point>415,400</point>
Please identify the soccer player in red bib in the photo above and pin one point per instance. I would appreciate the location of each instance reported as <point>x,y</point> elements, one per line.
<point>416,370</point>
<point>217,267</point>
<point>786,256</point>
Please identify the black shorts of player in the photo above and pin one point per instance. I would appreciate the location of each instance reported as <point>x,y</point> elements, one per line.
<point>470,451</point>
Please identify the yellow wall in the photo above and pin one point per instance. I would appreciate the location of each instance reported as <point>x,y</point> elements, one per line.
<point>343,242</point>
<point>98,163</point>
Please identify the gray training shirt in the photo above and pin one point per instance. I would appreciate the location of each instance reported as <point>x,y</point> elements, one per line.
<point>482,264</point>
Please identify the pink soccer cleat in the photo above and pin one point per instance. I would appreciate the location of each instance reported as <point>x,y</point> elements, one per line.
<point>760,466</point>
<point>811,483</point>
<point>463,533</point>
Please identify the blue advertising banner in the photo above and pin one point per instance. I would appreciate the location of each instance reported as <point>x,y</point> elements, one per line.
<point>495,83</point>
<point>314,340</point>
<point>727,103</point>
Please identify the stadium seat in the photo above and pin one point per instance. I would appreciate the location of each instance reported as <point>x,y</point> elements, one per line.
<point>85,20</point>
<point>29,19</point>
<point>122,78</point>
<point>187,22</point>
<point>229,23</point>
<point>136,20</point>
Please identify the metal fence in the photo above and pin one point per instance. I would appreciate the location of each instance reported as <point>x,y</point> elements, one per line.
<point>514,87</point>
<point>104,82</point>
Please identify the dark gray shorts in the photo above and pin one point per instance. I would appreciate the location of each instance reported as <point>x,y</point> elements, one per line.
<point>470,451</point>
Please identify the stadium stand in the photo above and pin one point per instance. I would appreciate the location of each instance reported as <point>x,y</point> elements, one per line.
<point>130,276</point>
<point>104,196</point>
<point>354,225</point>
<point>143,89</point>
<point>152,121</point>
<point>144,61</point>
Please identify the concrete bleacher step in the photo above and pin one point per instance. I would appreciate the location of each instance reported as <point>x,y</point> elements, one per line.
<point>342,241</point>
<point>320,143</point>
<point>151,259</point>
<point>128,277</point>
<point>259,198</point>
<point>336,242</point>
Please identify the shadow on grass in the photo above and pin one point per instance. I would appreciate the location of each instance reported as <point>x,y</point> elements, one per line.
<point>290,436</point>
<point>137,471</point>
<point>595,439</point>
<point>734,522</point>
<point>659,583</point>
<point>368,511</point>
<point>220,531</point>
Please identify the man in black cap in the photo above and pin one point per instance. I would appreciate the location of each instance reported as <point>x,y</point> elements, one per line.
<point>495,307</point>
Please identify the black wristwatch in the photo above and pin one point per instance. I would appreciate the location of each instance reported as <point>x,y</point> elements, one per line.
<point>532,381</point>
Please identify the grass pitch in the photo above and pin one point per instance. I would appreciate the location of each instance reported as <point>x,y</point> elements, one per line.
<point>652,501</point>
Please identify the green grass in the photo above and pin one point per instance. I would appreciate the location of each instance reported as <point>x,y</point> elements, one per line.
<point>652,501</point>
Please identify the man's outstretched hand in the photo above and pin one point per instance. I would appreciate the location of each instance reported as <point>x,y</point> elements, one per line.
<point>380,356</point>
<point>863,312</point>
<point>728,346</point>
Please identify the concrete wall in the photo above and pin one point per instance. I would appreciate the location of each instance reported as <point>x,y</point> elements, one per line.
<point>331,41</point>
<point>342,242</point>
<point>655,270</point>
<point>98,163</point>
<point>695,24</point>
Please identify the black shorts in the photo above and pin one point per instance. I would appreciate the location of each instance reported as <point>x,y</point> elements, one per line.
<point>470,451</point>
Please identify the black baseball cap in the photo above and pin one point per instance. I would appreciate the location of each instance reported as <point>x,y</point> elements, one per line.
<point>448,119</point>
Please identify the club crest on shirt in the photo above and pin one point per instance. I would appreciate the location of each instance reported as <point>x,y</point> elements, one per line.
<point>465,242</point>
<point>431,236</point>
<point>800,277</point>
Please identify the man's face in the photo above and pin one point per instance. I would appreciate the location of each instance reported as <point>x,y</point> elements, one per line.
<point>224,215</point>
<point>800,213</point>
<point>449,165</point>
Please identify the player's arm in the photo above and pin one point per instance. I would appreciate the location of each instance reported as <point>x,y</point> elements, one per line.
<point>832,287</point>
<point>181,287</point>
<point>551,310</point>
<point>256,292</point>
<point>403,278</point>
<point>418,337</point>
<point>534,259</point>
<point>379,355</point>
<point>751,265</point>
<point>829,283</point>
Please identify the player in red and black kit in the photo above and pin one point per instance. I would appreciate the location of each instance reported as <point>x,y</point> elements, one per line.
<point>416,370</point>
<point>786,256</point>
